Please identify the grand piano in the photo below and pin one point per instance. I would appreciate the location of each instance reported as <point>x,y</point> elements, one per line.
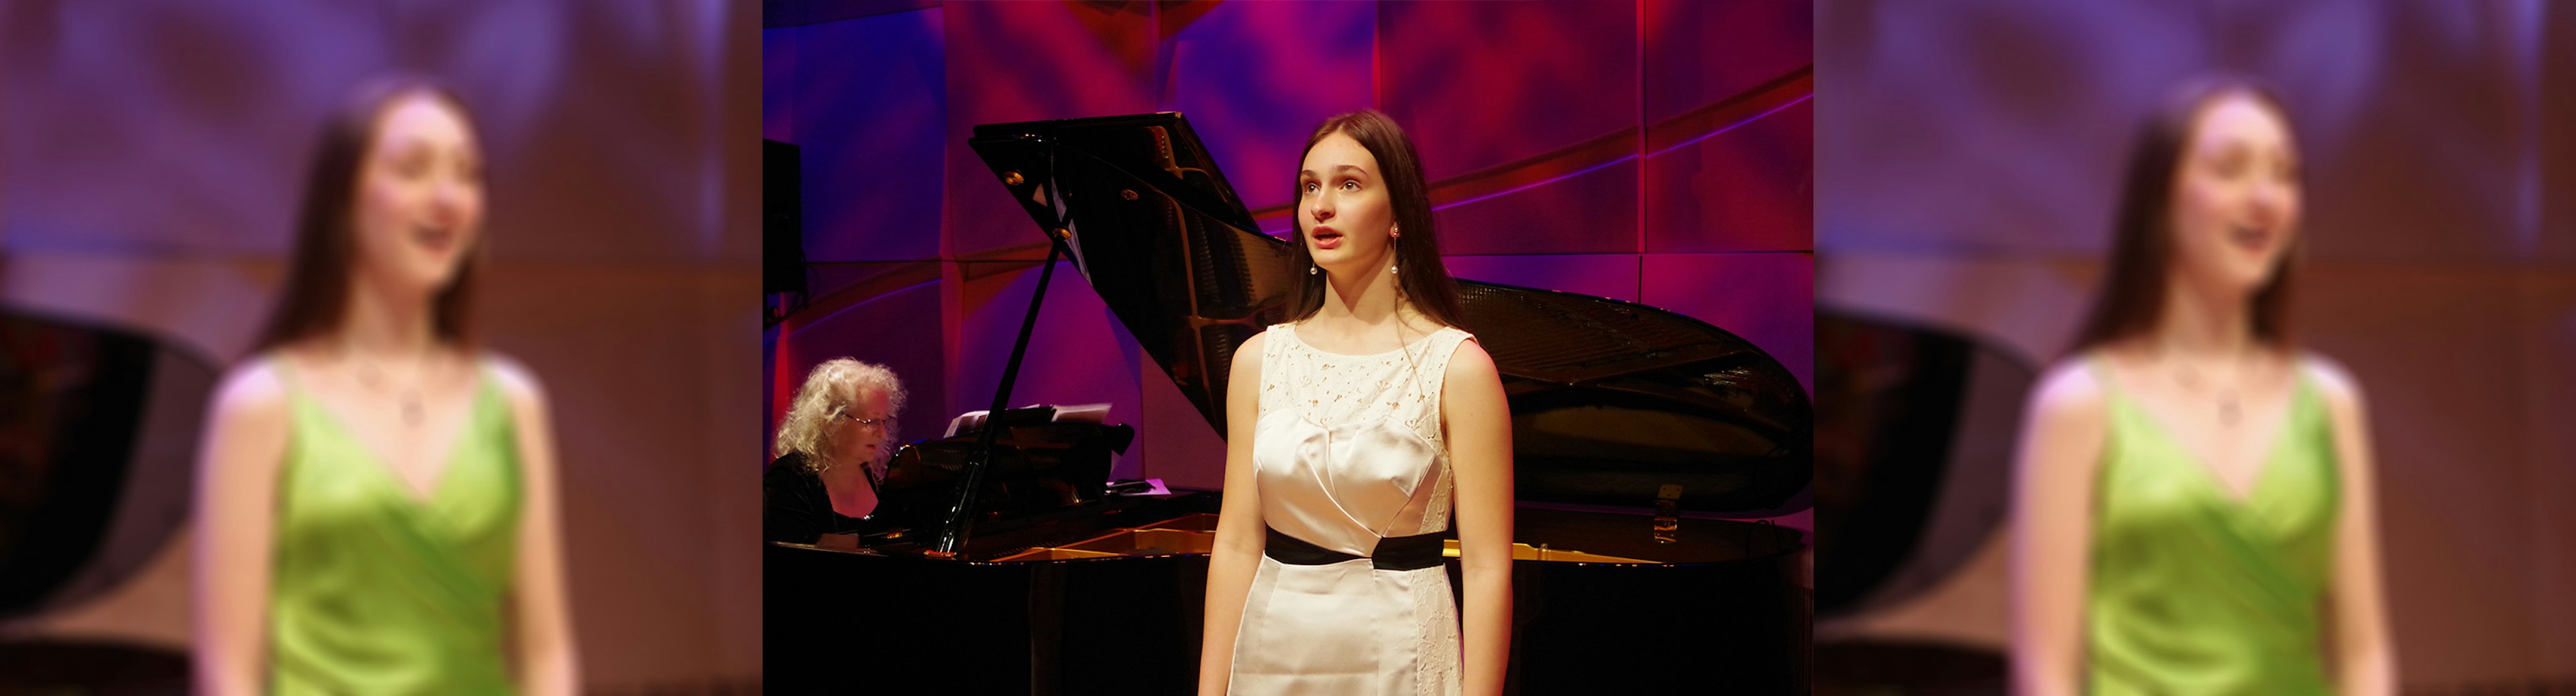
<point>1633,429</point>
<point>98,434</point>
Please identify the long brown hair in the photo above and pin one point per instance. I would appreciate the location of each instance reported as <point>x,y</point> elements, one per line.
<point>2133,292</point>
<point>317,279</point>
<point>1421,279</point>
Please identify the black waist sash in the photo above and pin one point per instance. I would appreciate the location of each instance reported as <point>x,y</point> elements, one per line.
<point>1392,553</point>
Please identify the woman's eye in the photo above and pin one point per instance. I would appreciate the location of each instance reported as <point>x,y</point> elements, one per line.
<point>2230,167</point>
<point>1350,185</point>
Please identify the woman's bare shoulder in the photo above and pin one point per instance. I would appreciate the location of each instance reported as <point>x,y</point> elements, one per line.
<point>2069,388</point>
<point>2335,383</point>
<point>248,422</point>
<point>1471,362</point>
<point>256,386</point>
<point>1248,355</point>
<point>514,377</point>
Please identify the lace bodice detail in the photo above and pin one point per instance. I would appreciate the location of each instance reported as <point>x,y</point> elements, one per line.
<point>1334,389</point>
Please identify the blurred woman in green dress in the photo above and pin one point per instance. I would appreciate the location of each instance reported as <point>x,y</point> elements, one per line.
<point>2194,498</point>
<point>376,500</point>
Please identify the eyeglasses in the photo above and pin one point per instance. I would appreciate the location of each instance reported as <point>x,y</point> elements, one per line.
<point>863,421</point>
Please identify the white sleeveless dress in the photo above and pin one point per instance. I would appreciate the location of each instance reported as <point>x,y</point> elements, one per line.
<point>1347,450</point>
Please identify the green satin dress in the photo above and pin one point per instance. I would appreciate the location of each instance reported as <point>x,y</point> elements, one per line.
<point>379,590</point>
<point>2195,591</point>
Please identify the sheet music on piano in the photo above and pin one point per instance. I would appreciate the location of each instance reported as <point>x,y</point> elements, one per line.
<point>971,421</point>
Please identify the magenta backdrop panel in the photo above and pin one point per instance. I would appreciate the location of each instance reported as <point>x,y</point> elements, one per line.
<point>1541,92</point>
<point>1027,61</point>
<point>865,277</point>
<point>1749,186</point>
<point>1078,353</point>
<point>1531,117</point>
<point>1768,299</point>
<point>1600,275</point>
<point>870,124</point>
<point>1700,53</point>
<point>1730,160</point>
<point>1483,86</point>
<point>1256,77</point>
<point>1590,211</point>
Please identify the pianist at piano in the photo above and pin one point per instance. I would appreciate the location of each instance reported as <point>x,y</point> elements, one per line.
<point>832,449</point>
<point>1015,564</point>
<point>1374,417</point>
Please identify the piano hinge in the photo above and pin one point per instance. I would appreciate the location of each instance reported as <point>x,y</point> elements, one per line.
<point>1668,522</point>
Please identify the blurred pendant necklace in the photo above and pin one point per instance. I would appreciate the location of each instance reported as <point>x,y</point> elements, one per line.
<point>2230,407</point>
<point>407,397</point>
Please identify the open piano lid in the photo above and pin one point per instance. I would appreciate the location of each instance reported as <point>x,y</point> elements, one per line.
<point>1611,401</point>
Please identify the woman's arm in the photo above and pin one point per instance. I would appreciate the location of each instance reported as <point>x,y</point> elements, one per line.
<point>245,443</point>
<point>1238,523</point>
<point>1479,425</point>
<point>2052,529</point>
<point>548,664</point>
<point>2364,657</point>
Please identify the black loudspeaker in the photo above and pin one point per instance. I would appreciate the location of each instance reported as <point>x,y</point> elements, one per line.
<point>782,219</point>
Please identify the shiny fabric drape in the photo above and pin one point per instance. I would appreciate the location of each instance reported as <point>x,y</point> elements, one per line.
<point>379,590</point>
<point>2195,591</point>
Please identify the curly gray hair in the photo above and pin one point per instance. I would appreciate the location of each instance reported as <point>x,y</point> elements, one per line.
<point>831,389</point>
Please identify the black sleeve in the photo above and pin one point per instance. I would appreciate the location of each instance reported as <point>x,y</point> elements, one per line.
<point>789,494</point>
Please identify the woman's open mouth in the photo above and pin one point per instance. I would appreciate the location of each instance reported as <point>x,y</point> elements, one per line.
<point>1326,238</point>
<point>436,239</point>
<point>2250,238</point>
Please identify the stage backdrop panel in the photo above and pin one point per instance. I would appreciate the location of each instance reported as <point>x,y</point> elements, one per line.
<point>1730,131</point>
<point>1026,62</point>
<point>871,132</point>
<point>1614,276</point>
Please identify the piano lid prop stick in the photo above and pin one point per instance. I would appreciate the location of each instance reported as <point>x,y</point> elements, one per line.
<point>960,520</point>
